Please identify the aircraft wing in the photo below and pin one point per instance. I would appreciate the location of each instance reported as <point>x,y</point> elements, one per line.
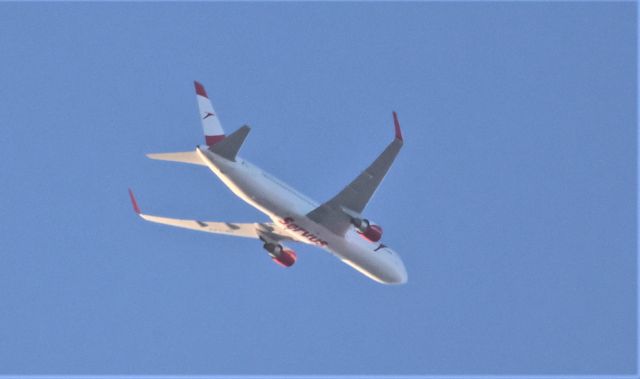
<point>255,230</point>
<point>336,213</point>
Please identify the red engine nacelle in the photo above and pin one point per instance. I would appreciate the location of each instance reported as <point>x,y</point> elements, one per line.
<point>282,256</point>
<point>370,231</point>
<point>286,258</point>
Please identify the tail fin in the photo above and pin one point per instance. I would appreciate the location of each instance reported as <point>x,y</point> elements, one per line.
<point>213,132</point>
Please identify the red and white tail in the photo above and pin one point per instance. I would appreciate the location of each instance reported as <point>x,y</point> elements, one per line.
<point>213,132</point>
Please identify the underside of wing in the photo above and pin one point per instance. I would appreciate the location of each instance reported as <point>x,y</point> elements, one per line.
<point>234,229</point>
<point>247,230</point>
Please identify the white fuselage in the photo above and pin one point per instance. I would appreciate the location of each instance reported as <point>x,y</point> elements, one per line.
<point>287,208</point>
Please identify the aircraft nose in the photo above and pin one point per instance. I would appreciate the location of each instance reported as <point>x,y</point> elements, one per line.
<point>399,275</point>
<point>402,274</point>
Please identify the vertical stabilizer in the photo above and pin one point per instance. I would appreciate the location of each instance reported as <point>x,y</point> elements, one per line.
<point>213,132</point>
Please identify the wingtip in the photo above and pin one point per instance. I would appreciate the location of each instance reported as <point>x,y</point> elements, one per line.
<point>136,208</point>
<point>396,123</point>
<point>200,89</point>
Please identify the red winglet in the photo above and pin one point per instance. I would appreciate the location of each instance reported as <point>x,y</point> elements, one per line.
<point>136,208</point>
<point>200,89</point>
<point>397,125</point>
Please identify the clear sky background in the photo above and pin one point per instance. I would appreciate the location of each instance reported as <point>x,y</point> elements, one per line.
<point>512,203</point>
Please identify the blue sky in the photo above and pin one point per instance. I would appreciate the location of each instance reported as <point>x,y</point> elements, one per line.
<point>512,203</point>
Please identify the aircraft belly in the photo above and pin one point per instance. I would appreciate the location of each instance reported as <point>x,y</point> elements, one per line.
<point>359,254</point>
<point>373,264</point>
<point>288,213</point>
<point>253,188</point>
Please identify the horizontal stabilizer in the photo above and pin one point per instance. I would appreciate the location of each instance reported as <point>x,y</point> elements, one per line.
<point>190,157</point>
<point>228,147</point>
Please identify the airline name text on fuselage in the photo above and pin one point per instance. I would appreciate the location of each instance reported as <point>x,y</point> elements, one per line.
<point>289,223</point>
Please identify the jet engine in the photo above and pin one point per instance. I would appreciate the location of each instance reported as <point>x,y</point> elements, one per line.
<point>368,230</point>
<point>281,255</point>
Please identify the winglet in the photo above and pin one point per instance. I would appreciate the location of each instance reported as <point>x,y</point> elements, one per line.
<point>397,125</point>
<point>200,89</point>
<point>136,208</point>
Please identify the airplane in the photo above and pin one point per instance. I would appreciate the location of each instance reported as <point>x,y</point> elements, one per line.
<point>336,225</point>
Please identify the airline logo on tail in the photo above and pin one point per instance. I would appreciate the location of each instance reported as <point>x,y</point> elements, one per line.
<point>213,132</point>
